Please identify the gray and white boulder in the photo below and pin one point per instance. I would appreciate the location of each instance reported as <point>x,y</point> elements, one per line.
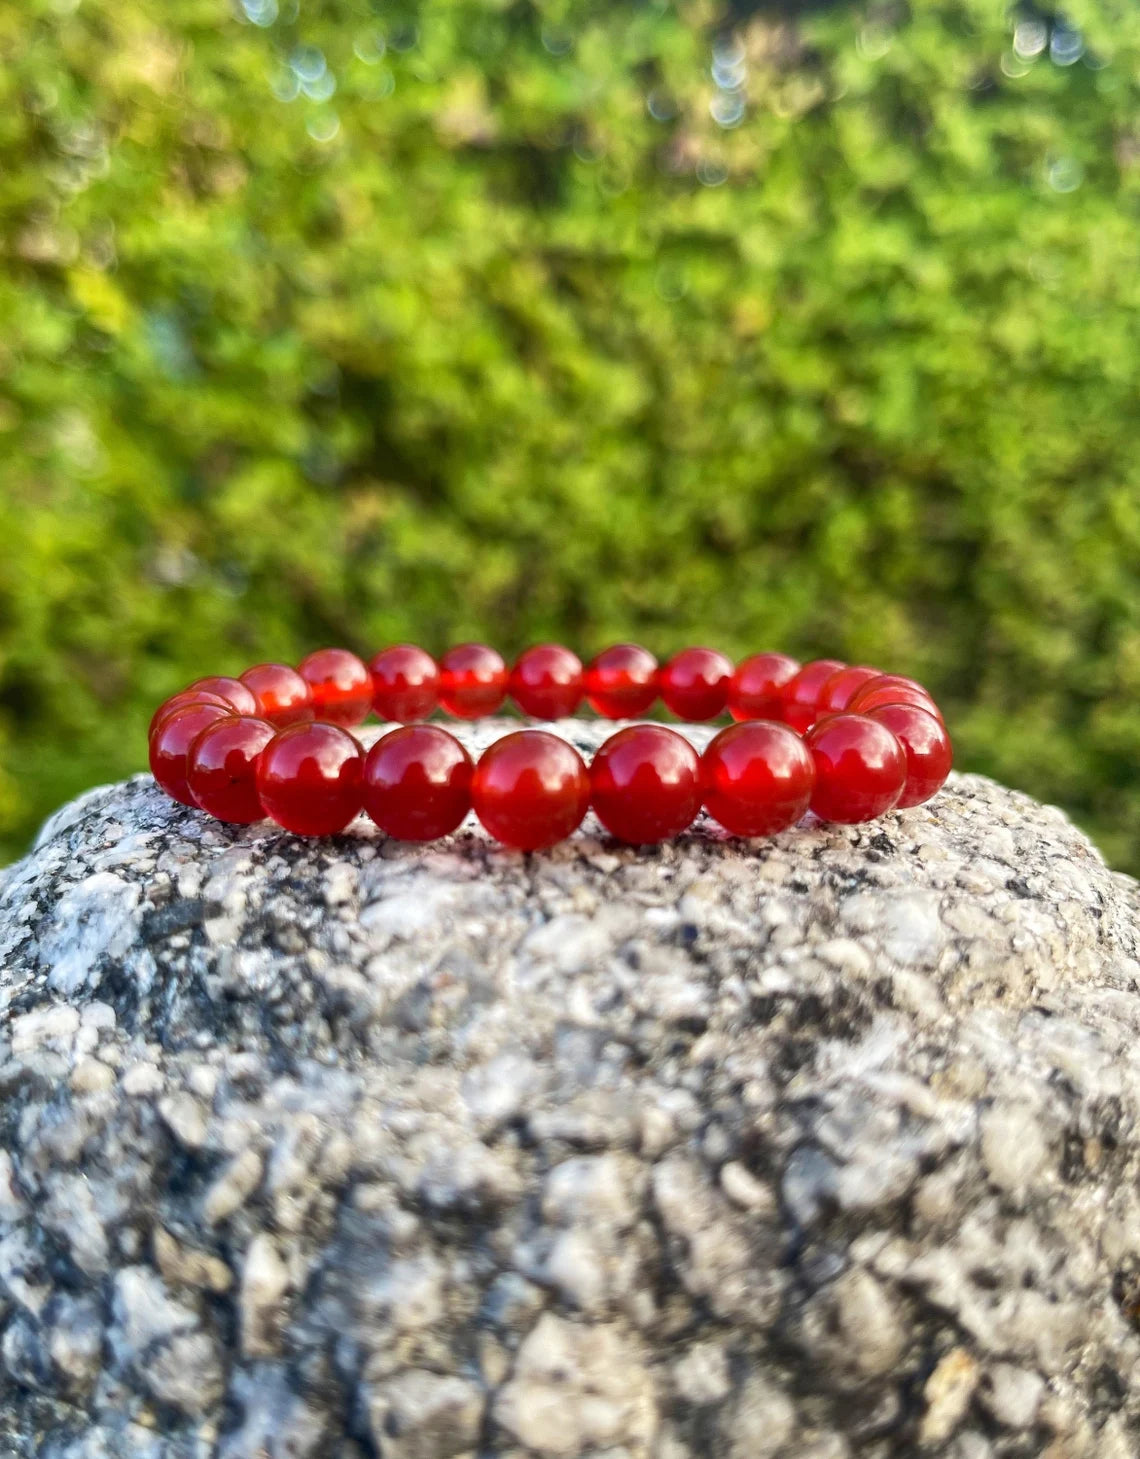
<point>819,1147</point>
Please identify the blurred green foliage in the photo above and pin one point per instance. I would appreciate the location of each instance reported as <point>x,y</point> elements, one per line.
<point>503,318</point>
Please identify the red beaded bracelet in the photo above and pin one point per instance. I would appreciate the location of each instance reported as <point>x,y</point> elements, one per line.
<point>845,741</point>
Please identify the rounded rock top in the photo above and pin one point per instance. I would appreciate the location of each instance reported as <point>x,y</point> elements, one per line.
<point>808,1147</point>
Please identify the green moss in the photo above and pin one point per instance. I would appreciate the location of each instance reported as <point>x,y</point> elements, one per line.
<point>505,354</point>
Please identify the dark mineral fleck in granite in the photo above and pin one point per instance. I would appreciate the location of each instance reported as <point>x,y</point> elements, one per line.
<point>822,1147</point>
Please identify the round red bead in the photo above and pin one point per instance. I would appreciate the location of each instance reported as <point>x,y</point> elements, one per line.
<point>283,697</point>
<point>838,691</point>
<point>233,691</point>
<point>621,683</point>
<point>754,689</point>
<point>530,789</point>
<point>892,689</point>
<point>170,745</point>
<point>472,680</point>
<point>405,683</point>
<point>417,782</point>
<point>860,768</point>
<point>547,681</point>
<point>800,695</point>
<point>929,753</point>
<point>221,770</point>
<point>180,701</point>
<point>758,778</point>
<point>645,784</point>
<point>309,778</point>
<point>340,684</point>
<point>694,683</point>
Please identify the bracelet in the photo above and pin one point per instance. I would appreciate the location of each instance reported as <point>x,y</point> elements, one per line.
<point>845,741</point>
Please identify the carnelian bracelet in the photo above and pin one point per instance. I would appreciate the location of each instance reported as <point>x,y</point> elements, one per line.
<point>845,741</point>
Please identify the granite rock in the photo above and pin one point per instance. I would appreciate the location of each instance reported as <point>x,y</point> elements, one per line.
<point>819,1147</point>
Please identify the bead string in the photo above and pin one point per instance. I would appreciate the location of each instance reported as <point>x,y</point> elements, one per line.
<point>845,741</point>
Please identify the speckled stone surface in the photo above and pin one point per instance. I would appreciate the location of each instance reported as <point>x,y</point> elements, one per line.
<point>824,1147</point>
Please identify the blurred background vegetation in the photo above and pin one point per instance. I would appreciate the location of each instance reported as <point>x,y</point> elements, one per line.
<point>800,327</point>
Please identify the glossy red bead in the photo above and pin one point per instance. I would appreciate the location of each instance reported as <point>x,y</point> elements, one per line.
<point>180,701</point>
<point>417,782</point>
<point>892,689</point>
<point>800,695</point>
<point>472,680</point>
<point>530,789</point>
<point>754,689</point>
<point>621,682</point>
<point>838,691</point>
<point>170,745</point>
<point>309,778</point>
<point>929,753</point>
<point>860,768</point>
<point>233,691</point>
<point>340,684</point>
<point>645,784</point>
<point>405,683</point>
<point>547,681</point>
<point>283,697</point>
<point>694,683</point>
<point>221,770</point>
<point>757,778</point>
